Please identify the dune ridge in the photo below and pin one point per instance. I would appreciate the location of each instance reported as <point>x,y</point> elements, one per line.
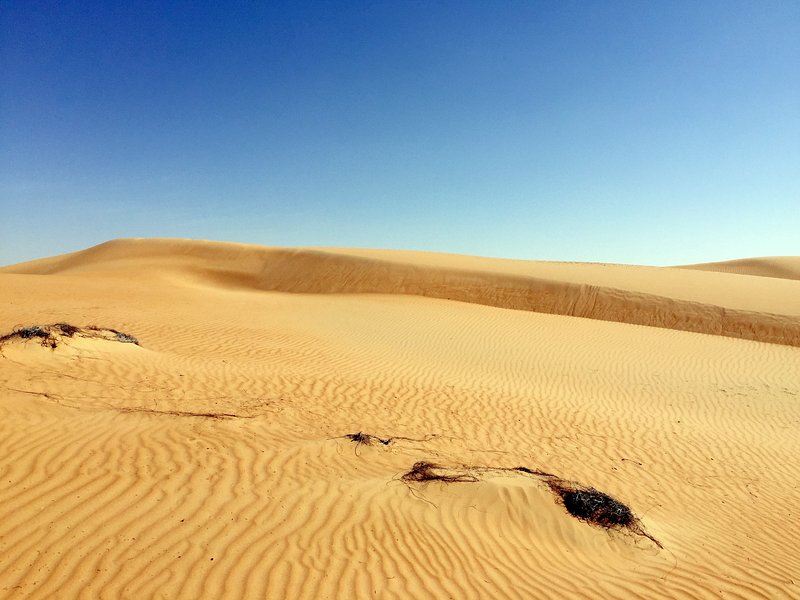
<point>520,287</point>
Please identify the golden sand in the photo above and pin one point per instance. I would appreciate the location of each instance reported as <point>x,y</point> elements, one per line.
<point>210,460</point>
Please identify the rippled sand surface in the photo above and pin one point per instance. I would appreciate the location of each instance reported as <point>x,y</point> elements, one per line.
<point>211,459</point>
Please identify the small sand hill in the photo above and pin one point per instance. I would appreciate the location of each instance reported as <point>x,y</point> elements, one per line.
<point>779,267</point>
<point>237,421</point>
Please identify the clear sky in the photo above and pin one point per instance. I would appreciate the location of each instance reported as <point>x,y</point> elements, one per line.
<point>636,132</point>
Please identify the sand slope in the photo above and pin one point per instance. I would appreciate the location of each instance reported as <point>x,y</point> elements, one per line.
<point>209,461</point>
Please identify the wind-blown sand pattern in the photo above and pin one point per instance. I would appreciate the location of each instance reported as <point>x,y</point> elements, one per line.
<point>210,460</point>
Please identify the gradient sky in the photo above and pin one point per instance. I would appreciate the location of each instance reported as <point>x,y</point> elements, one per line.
<point>635,132</point>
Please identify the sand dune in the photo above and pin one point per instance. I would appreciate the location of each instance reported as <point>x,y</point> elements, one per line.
<point>780,267</point>
<point>211,460</point>
<point>668,298</point>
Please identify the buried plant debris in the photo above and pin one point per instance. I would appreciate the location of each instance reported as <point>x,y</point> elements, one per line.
<point>366,439</point>
<point>184,413</point>
<point>426,471</point>
<point>124,337</point>
<point>584,503</point>
<point>51,335</point>
<point>118,335</point>
<point>536,472</point>
<point>67,329</point>
<point>29,333</point>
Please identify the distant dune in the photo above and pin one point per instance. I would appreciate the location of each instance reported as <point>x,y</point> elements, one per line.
<point>189,419</point>
<point>658,297</point>
<point>779,267</point>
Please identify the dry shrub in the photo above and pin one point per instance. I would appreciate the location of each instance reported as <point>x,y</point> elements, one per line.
<point>367,439</point>
<point>29,333</point>
<point>597,508</point>
<point>535,472</point>
<point>593,506</point>
<point>425,471</point>
<point>67,329</point>
<point>50,334</point>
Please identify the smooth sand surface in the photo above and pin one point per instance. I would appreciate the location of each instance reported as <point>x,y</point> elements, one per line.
<point>209,461</point>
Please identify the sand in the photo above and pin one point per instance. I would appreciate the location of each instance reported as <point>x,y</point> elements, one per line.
<point>210,460</point>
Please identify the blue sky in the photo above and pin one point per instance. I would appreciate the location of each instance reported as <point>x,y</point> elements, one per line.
<point>634,132</point>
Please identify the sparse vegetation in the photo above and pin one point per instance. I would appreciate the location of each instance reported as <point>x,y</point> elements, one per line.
<point>51,335</point>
